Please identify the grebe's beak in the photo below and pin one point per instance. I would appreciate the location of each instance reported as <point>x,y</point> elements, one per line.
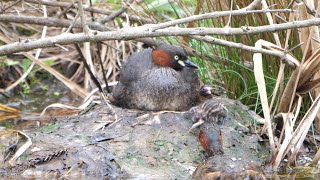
<point>190,64</point>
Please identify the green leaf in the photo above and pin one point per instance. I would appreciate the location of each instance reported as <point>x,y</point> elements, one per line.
<point>26,88</point>
<point>25,64</point>
<point>49,62</point>
<point>45,87</point>
<point>11,63</point>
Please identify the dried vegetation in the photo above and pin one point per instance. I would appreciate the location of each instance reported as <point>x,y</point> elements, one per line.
<point>282,90</point>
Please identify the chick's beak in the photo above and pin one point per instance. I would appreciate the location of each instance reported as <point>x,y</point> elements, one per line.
<point>199,122</point>
<point>190,64</point>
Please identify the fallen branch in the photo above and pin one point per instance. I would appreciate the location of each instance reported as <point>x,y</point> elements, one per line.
<point>55,22</point>
<point>144,31</point>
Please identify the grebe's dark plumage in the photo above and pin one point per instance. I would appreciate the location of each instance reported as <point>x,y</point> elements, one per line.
<point>159,79</point>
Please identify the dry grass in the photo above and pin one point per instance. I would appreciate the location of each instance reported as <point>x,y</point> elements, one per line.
<point>63,59</point>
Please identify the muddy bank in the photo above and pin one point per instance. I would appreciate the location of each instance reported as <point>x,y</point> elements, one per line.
<point>153,145</point>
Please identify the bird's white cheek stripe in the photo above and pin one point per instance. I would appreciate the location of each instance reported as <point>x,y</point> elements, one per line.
<point>181,63</point>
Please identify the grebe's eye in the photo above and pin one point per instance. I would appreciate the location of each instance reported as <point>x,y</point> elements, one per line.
<point>176,57</point>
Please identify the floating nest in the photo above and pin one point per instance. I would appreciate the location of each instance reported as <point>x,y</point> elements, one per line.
<point>111,142</point>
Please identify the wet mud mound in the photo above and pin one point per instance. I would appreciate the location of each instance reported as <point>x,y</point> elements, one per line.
<point>118,143</point>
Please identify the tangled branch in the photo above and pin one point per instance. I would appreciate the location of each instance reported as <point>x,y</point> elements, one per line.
<point>147,31</point>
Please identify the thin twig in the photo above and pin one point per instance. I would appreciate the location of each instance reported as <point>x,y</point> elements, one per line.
<point>64,11</point>
<point>102,68</point>
<point>84,25</point>
<point>48,21</point>
<point>72,24</point>
<point>116,13</point>
<point>252,49</point>
<point>91,13</point>
<point>253,5</point>
<point>2,10</point>
<point>213,15</point>
<point>229,20</point>
<point>88,9</point>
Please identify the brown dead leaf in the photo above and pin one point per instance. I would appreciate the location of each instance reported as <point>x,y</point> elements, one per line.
<point>308,86</point>
<point>288,91</point>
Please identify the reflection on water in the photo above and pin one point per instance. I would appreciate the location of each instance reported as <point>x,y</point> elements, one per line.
<point>30,105</point>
